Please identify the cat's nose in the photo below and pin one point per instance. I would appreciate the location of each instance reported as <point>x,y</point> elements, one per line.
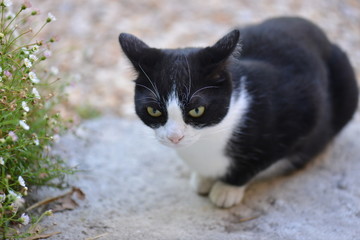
<point>175,138</point>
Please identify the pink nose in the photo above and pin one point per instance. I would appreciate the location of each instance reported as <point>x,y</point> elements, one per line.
<point>176,139</point>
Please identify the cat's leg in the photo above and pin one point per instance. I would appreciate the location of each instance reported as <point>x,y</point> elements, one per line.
<point>225,195</point>
<point>202,185</point>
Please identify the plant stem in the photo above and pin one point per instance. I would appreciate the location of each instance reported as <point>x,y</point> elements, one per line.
<point>17,14</point>
<point>12,41</point>
<point>39,30</point>
<point>2,14</point>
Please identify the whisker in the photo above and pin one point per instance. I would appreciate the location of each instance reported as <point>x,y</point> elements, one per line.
<point>190,82</point>
<point>201,89</point>
<point>151,100</point>
<point>151,82</point>
<point>201,97</point>
<point>147,89</point>
<point>148,98</point>
<point>220,130</point>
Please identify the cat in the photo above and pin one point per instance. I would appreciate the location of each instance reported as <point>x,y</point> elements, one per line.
<point>279,92</point>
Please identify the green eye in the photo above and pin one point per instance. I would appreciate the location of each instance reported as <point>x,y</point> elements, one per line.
<point>153,112</point>
<point>197,112</point>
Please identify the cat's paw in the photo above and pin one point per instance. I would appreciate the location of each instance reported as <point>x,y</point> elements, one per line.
<point>201,185</point>
<point>225,195</point>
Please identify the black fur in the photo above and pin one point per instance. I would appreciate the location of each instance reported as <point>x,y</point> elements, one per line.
<point>302,87</point>
<point>161,70</point>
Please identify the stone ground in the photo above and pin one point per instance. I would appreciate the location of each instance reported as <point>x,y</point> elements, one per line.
<point>137,189</point>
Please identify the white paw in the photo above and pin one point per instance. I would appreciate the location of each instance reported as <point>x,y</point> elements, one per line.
<point>201,185</point>
<point>225,195</point>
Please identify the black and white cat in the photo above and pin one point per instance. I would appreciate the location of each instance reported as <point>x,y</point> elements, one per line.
<point>281,91</point>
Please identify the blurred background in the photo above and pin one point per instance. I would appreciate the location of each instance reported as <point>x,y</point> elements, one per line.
<point>89,56</point>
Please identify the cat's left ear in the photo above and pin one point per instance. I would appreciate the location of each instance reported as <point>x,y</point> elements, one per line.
<point>222,49</point>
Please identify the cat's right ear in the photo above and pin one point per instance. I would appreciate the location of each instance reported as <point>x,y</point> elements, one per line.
<point>139,53</point>
<point>133,47</point>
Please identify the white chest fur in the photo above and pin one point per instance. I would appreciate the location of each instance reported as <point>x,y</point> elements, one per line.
<point>207,155</point>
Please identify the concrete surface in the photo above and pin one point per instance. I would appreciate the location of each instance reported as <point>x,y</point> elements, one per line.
<point>137,189</point>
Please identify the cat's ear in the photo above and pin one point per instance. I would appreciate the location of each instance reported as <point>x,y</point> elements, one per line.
<point>222,49</point>
<point>132,46</point>
<point>138,52</point>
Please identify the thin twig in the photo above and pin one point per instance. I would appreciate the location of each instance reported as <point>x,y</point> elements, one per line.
<point>241,220</point>
<point>42,236</point>
<point>51,199</point>
<point>97,237</point>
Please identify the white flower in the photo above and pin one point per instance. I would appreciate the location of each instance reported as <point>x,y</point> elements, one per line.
<point>13,136</point>
<point>56,138</point>
<point>25,106</point>
<point>0,69</point>
<point>24,125</point>
<point>25,51</point>
<point>54,70</point>
<point>35,48</point>
<point>33,77</point>
<point>36,93</point>
<point>2,161</point>
<point>27,63</point>
<point>25,191</point>
<point>14,195</point>
<point>47,53</point>
<point>48,213</point>
<point>36,140</point>
<point>33,57</point>
<point>51,18</point>
<point>21,181</point>
<point>2,197</point>
<point>24,219</point>
<point>8,3</point>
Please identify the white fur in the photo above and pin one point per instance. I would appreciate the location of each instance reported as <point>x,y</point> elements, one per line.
<point>175,128</point>
<point>201,184</point>
<point>225,195</point>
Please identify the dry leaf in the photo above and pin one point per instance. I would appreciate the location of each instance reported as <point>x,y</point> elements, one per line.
<point>66,202</point>
<point>62,202</point>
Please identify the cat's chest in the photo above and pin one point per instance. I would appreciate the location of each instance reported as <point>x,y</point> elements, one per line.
<point>208,155</point>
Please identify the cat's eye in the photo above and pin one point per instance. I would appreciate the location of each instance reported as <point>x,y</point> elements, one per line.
<point>197,112</point>
<point>153,112</point>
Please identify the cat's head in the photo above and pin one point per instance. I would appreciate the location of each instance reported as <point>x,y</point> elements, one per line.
<point>181,92</point>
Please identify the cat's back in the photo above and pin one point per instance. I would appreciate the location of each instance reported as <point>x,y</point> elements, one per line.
<point>299,80</point>
<point>285,38</point>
